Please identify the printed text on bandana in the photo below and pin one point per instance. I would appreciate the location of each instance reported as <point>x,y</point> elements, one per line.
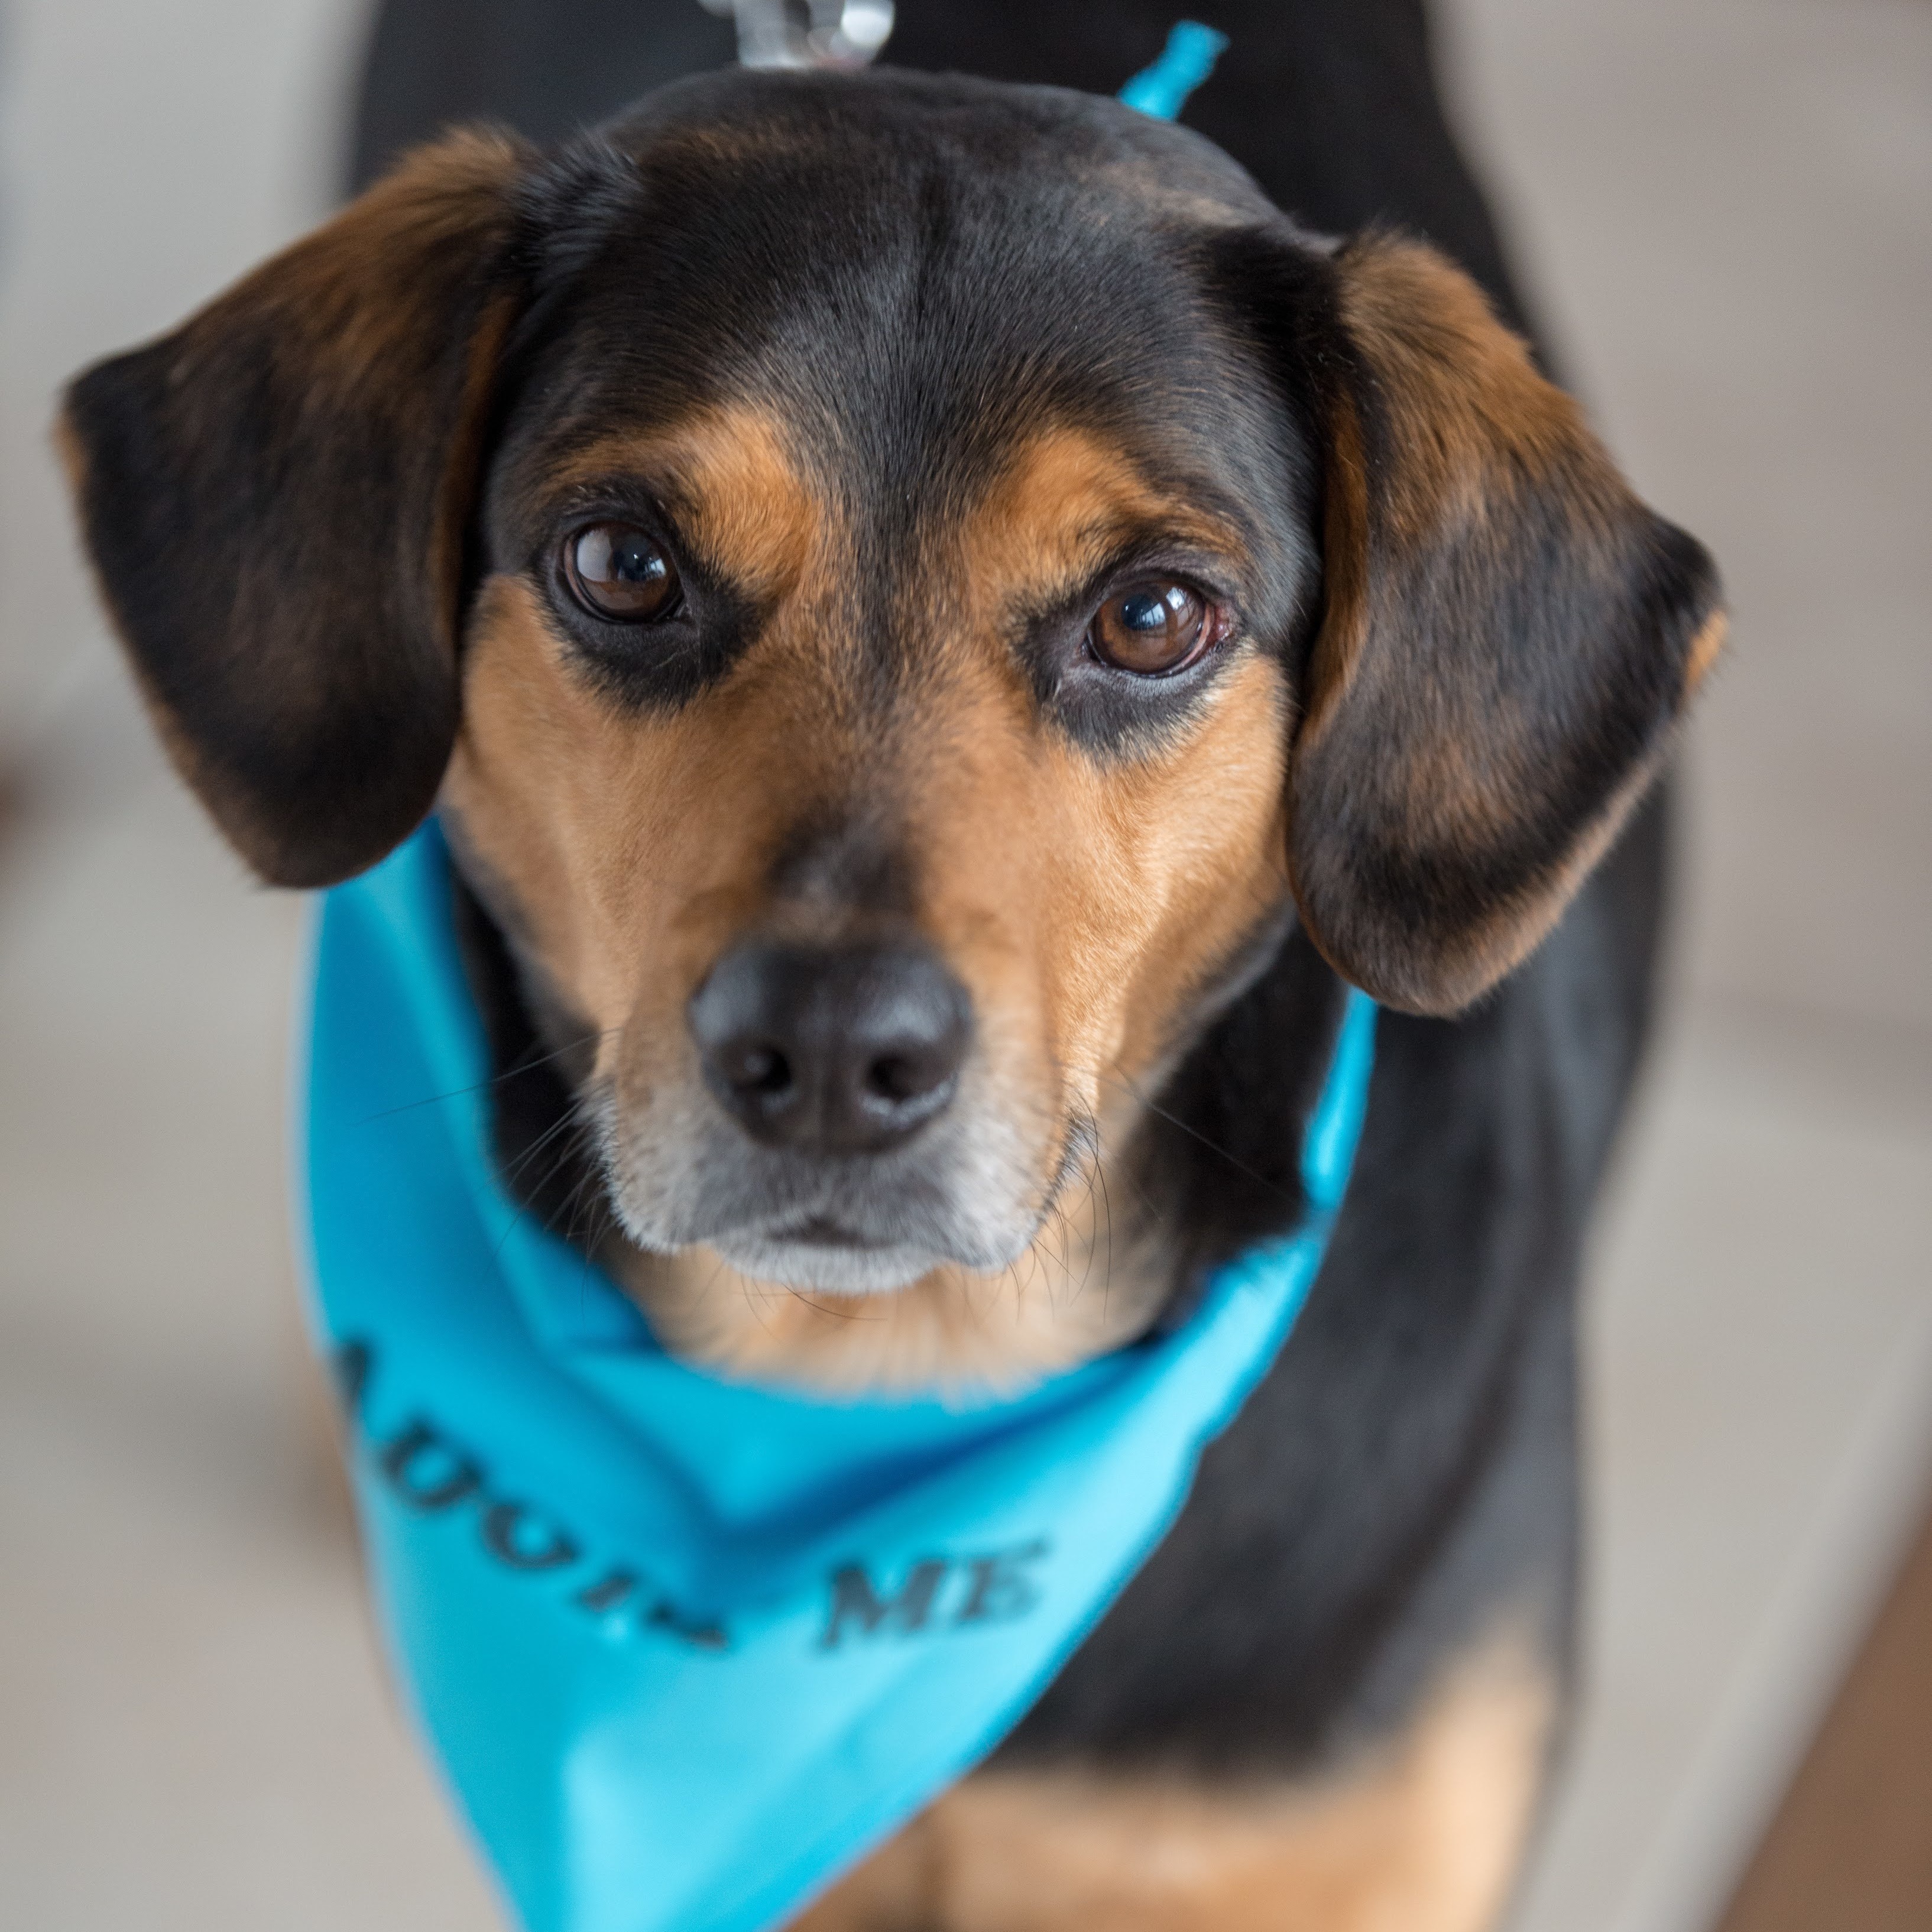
<point>430,1472</point>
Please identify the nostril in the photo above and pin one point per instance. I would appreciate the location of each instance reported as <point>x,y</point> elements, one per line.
<point>899,1078</point>
<point>895,1079</point>
<point>890,1079</point>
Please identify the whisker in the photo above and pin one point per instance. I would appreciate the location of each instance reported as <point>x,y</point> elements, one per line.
<point>566,1123</point>
<point>842,1314</point>
<point>1153,1107</point>
<point>750,1300</point>
<point>519,1065</point>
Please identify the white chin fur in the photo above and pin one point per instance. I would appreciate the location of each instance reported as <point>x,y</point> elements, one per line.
<point>827,1270</point>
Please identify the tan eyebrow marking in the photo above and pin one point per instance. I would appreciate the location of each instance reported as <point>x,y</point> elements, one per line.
<point>737,491</point>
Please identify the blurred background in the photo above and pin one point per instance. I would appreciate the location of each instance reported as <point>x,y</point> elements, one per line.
<point>1724,209</point>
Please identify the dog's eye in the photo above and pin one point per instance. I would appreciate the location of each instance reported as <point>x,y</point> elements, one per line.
<point>619,573</point>
<point>1153,628</point>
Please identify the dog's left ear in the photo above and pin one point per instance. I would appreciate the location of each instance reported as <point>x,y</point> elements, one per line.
<point>1507,635</point>
<point>275,497</point>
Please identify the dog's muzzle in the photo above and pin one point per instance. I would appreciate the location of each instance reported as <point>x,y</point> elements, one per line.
<point>842,1139</point>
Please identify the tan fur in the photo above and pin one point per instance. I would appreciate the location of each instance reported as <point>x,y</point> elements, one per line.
<point>1080,902</point>
<point>1706,648</point>
<point>1422,1834</point>
<point>1066,497</point>
<point>736,490</point>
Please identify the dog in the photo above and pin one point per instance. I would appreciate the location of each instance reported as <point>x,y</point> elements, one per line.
<point>943,629</point>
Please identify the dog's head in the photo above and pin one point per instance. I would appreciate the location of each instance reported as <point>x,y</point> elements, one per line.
<point>901,588</point>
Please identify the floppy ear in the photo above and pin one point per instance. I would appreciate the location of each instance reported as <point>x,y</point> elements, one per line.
<point>1507,638</point>
<point>275,497</point>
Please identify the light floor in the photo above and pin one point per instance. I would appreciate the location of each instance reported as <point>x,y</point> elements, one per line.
<point>1728,209</point>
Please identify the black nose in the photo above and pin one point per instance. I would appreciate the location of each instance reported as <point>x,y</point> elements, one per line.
<point>831,1051</point>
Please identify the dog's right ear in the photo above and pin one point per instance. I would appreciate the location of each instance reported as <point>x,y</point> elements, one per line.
<point>274,498</point>
<point>1507,639</point>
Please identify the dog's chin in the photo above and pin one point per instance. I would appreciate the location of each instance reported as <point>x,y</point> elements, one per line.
<point>825,1268</point>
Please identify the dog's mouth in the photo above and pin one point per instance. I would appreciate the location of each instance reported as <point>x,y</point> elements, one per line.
<point>822,1231</point>
<point>822,1257</point>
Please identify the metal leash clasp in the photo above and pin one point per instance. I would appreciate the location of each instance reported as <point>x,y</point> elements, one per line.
<point>807,33</point>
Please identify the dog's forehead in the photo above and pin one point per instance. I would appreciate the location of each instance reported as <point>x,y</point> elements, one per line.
<point>952,261</point>
<point>884,132</point>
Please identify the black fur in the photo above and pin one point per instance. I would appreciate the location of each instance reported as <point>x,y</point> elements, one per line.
<point>1407,1471</point>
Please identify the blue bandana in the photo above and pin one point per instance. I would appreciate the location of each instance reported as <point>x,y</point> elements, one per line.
<point>685,1649</point>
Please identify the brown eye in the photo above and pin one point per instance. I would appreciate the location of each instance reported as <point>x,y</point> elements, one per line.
<point>618,572</point>
<point>1152,629</point>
